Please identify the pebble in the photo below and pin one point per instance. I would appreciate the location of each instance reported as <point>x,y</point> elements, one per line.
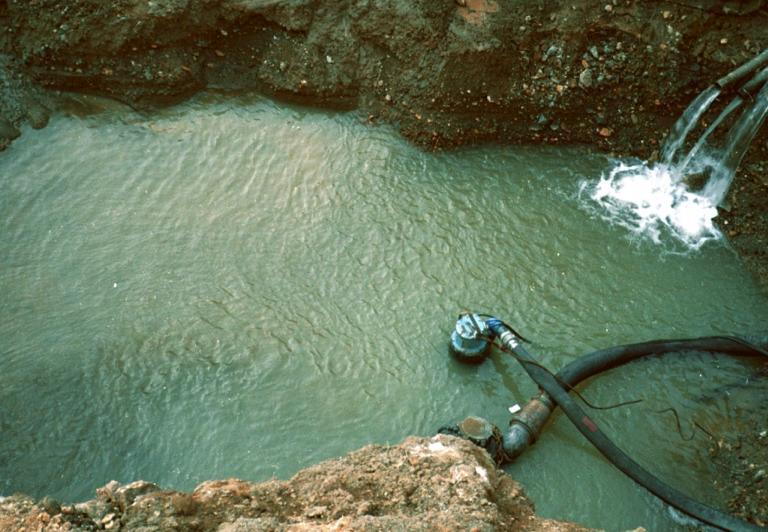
<point>316,511</point>
<point>7,130</point>
<point>585,78</point>
<point>38,115</point>
<point>51,506</point>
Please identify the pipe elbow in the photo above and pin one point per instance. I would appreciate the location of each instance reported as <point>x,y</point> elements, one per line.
<point>526,425</point>
<point>517,439</point>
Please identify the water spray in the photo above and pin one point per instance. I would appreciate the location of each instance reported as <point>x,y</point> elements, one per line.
<point>646,198</point>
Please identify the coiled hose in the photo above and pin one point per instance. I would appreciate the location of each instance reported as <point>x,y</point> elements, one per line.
<point>599,361</point>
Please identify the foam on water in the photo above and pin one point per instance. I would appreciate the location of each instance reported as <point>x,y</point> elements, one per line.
<point>654,204</point>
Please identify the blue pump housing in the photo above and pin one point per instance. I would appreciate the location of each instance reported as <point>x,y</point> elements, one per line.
<point>470,339</point>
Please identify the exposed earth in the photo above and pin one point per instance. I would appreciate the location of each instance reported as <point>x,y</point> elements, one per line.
<point>613,74</point>
<point>743,460</point>
<point>442,483</point>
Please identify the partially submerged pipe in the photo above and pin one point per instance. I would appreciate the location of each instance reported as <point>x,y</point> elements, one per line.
<point>590,429</point>
<point>526,425</point>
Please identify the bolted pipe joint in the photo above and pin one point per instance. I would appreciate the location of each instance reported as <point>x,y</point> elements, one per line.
<point>526,425</point>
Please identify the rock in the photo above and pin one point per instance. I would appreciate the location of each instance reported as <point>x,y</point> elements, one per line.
<point>51,506</point>
<point>439,483</point>
<point>37,115</point>
<point>316,511</point>
<point>246,524</point>
<point>8,131</point>
<point>585,78</point>
<point>124,496</point>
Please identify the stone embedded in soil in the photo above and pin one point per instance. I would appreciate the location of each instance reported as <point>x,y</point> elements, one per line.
<point>742,461</point>
<point>439,483</point>
<point>8,131</point>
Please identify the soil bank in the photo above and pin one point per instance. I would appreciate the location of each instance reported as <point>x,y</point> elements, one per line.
<point>442,483</point>
<point>613,74</point>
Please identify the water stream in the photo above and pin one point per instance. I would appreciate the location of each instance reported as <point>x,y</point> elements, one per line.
<point>659,199</point>
<point>239,288</point>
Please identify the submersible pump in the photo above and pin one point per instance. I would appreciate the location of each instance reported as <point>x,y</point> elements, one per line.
<point>471,341</point>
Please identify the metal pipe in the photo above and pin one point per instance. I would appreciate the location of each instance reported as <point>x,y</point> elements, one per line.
<point>526,425</point>
<point>744,70</point>
<point>749,88</point>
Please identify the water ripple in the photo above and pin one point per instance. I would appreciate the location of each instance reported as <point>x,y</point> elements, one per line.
<point>276,286</point>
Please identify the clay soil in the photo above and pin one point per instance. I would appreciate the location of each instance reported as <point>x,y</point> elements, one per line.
<point>442,483</point>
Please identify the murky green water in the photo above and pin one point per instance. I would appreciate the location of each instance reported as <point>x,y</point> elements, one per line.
<point>243,289</point>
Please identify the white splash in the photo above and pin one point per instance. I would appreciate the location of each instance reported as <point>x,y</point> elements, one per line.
<point>653,201</point>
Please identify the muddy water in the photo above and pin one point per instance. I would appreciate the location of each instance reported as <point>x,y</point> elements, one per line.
<point>243,289</point>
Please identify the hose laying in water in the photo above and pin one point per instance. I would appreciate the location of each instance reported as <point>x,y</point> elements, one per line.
<point>606,359</point>
<point>598,361</point>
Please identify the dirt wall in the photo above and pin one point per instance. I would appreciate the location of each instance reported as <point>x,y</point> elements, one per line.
<point>442,483</point>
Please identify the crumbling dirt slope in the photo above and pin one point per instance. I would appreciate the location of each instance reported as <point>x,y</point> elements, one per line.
<point>442,483</point>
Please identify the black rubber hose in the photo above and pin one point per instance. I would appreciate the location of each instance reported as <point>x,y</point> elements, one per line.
<point>589,428</point>
<point>589,365</point>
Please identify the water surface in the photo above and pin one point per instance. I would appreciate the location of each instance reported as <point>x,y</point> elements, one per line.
<point>239,288</point>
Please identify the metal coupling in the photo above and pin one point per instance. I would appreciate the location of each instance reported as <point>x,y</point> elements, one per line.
<point>526,425</point>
